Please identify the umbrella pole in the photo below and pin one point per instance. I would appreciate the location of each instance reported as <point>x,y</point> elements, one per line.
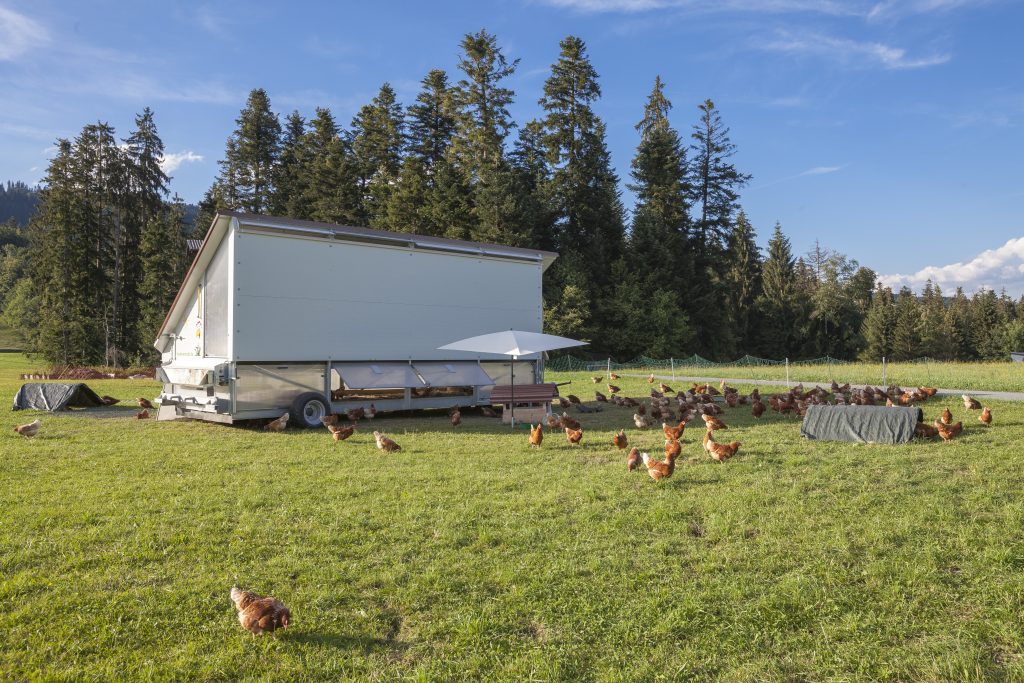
<point>513,391</point>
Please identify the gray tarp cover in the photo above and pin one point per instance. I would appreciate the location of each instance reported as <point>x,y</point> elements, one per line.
<point>866,424</point>
<point>53,396</point>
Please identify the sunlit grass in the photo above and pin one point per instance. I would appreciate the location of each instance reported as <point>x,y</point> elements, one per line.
<point>468,556</point>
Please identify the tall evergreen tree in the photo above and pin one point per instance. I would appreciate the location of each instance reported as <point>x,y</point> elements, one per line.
<point>250,157</point>
<point>583,188</point>
<point>742,279</point>
<point>333,192</point>
<point>163,265</point>
<point>777,302</point>
<point>377,140</point>
<point>431,122</point>
<point>483,118</point>
<point>290,180</point>
<point>906,340</point>
<point>715,181</point>
<point>879,326</point>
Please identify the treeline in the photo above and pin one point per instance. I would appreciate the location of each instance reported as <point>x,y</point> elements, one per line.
<point>680,274</point>
<point>17,203</point>
<point>105,251</point>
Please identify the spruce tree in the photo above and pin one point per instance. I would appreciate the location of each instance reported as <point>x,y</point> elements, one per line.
<point>776,305</point>
<point>332,191</point>
<point>483,118</point>
<point>960,324</point>
<point>290,179</point>
<point>906,341</point>
<point>879,326</point>
<point>583,188</point>
<point>163,265</point>
<point>250,157</point>
<point>431,121</point>
<point>715,181</point>
<point>742,279</point>
<point>377,151</point>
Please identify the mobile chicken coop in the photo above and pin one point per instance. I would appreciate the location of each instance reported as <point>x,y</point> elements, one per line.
<point>277,314</point>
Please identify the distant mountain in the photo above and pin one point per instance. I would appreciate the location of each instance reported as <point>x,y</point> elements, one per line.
<point>17,201</point>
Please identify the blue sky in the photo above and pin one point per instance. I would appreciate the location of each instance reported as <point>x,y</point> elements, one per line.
<point>890,130</point>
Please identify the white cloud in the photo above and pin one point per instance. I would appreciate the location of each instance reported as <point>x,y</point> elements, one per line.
<point>174,160</point>
<point>19,34</point>
<point>817,170</point>
<point>991,269</point>
<point>821,170</point>
<point>891,8</point>
<point>850,52</point>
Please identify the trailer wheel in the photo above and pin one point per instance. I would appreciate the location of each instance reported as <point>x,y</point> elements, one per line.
<point>308,408</point>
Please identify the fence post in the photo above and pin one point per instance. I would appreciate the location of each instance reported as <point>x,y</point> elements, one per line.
<point>673,362</point>
<point>787,372</point>
<point>609,371</point>
<point>884,383</point>
<point>928,366</point>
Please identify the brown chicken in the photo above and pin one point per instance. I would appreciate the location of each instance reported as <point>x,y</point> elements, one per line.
<point>277,425</point>
<point>947,417</point>
<point>144,403</point>
<point>671,432</point>
<point>986,416</point>
<point>600,397</point>
<point>29,430</point>
<point>633,459</point>
<point>612,376</point>
<point>641,421</point>
<point>329,420</point>
<point>719,452</point>
<point>109,400</point>
<point>355,414</point>
<point>971,403</point>
<point>259,614</point>
<point>947,432</point>
<point>597,380</point>
<point>619,440</point>
<point>570,422</point>
<point>536,435</point>
<point>650,378</point>
<point>554,422</point>
<point>757,410</point>
<point>341,433</point>
<point>713,423</point>
<point>672,448</point>
<point>665,389</point>
<point>573,398</point>
<point>385,444</point>
<point>928,391</point>
<point>657,469</point>
<point>573,436</point>
<point>142,415</point>
<point>612,389</point>
<point>456,417</point>
<point>925,431</point>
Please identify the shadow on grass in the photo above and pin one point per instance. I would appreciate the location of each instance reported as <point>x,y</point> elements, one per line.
<point>343,642</point>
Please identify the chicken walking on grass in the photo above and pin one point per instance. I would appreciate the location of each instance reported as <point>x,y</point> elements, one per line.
<point>619,440</point>
<point>455,416</point>
<point>947,417</point>
<point>948,432</point>
<point>258,614</point>
<point>385,444</point>
<point>633,459</point>
<point>277,425</point>
<point>713,423</point>
<point>986,416</point>
<point>536,435</point>
<point>341,433</point>
<point>657,469</point>
<point>719,452</point>
<point>970,403</point>
<point>142,415</point>
<point>29,430</point>
<point>144,403</point>
<point>573,436</point>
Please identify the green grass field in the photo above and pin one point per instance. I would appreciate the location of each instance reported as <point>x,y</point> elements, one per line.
<point>468,556</point>
<point>990,376</point>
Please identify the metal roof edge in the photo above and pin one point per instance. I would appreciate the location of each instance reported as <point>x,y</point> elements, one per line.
<point>370,234</point>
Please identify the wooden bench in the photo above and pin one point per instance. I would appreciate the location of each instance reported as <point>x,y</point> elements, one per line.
<point>532,401</point>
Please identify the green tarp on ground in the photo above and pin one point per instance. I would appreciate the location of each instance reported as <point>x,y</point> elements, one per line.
<point>55,396</point>
<point>864,424</point>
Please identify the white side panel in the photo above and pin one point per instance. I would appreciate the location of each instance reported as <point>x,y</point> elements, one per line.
<point>189,334</point>
<point>303,299</point>
<point>217,299</point>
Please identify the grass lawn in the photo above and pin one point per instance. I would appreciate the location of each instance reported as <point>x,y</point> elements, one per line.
<point>990,376</point>
<point>468,556</point>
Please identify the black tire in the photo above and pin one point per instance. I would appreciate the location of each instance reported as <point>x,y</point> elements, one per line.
<point>307,409</point>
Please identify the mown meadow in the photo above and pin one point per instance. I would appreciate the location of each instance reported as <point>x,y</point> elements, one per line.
<point>469,556</point>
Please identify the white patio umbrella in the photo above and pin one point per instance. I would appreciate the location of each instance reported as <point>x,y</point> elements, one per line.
<point>513,343</point>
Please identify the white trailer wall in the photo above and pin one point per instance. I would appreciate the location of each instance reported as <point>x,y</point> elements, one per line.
<point>300,299</point>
